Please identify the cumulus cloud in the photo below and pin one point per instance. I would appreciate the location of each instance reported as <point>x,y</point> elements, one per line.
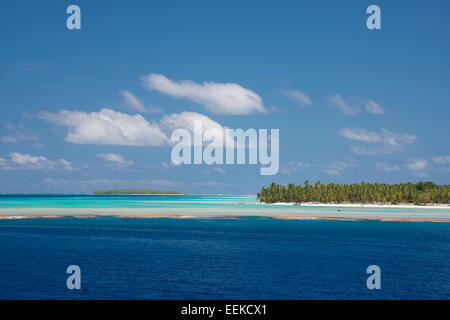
<point>18,160</point>
<point>373,107</point>
<point>187,120</point>
<point>26,159</point>
<point>390,141</point>
<point>298,97</point>
<point>115,158</point>
<point>218,98</point>
<point>67,165</point>
<point>442,159</point>
<point>417,164</point>
<point>107,127</point>
<point>133,102</point>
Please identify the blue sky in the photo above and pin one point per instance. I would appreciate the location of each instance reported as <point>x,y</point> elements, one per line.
<point>351,104</point>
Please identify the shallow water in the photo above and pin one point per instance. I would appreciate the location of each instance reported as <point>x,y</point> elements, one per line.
<point>210,205</point>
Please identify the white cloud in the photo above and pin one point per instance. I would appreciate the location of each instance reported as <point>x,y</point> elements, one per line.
<point>19,160</point>
<point>116,128</point>
<point>380,166</point>
<point>373,107</point>
<point>186,120</point>
<point>133,102</point>
<point>115,158</point>
<point>107,127</point>
<point>442,160</point>
<point>343,105</point>
<point>360,135</point>
<point>67,165</point>
<point>298,97</point>
<point>417,164</point>
<point>390,141</point>
<point>26,159</point>
<point>218,98</point>
<point>352,106</point>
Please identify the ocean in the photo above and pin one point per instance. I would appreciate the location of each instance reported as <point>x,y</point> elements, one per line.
<point>241,257</point>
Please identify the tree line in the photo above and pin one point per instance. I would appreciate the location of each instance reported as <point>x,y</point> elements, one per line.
<point>419,193</point>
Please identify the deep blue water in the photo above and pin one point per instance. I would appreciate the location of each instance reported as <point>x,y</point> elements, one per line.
<point>245,258</point>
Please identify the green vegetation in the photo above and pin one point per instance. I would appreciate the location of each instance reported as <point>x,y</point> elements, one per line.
<point>136,192</point>
<point>419,193</point>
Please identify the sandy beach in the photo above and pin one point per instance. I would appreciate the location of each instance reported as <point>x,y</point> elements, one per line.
<point>362,205</point>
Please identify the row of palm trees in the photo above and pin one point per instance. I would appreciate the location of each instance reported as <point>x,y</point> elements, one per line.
<point>419,193</point>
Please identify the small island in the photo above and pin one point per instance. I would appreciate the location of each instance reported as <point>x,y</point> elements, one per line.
<point>421,193</point>
<point>135,192</point>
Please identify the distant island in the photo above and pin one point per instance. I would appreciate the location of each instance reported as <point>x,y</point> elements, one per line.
<point>127,191</point>
<point>420,193</point>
